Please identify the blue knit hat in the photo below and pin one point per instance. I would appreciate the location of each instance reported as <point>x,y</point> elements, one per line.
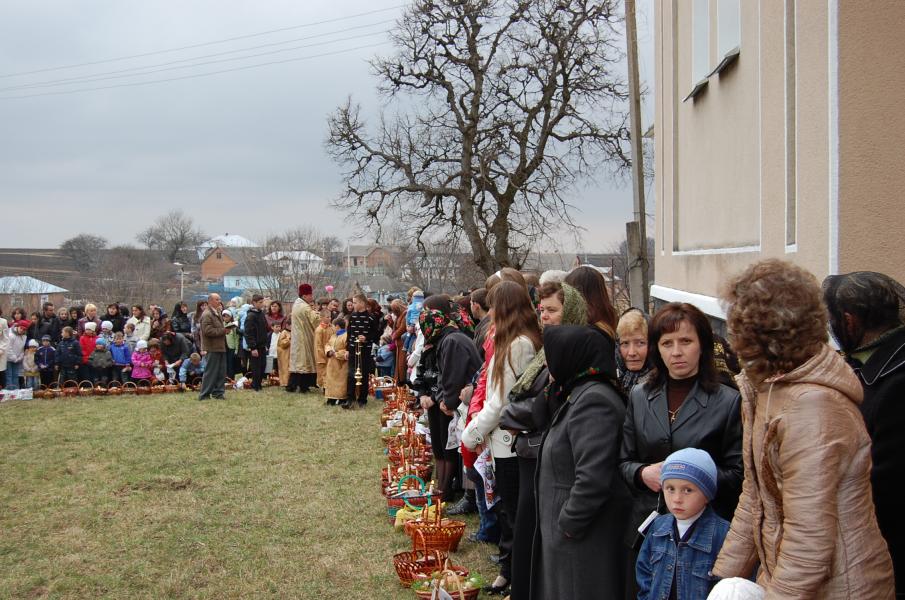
<point>100,342</point>
<point>691,465</point>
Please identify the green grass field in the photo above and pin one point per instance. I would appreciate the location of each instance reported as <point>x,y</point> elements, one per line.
<point>260,495</point>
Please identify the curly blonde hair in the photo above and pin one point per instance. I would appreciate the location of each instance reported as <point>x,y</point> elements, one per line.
<point>776,318</point>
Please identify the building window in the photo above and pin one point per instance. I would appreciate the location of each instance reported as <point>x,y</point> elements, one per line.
<point>728,35</point>
<point>791,85</point>
<point>700,41</point>
<point>219,255</point>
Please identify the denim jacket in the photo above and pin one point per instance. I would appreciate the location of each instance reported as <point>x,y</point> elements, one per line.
<point>691,561</point>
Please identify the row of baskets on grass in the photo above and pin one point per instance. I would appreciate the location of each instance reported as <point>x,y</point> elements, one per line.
<point>412,500</point>
<point>72,388</point>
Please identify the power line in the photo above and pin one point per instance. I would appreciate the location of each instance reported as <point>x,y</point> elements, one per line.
<point>211,43</point>
<point>92,76</point>
<point>194,76</point>
<point>76,81</point>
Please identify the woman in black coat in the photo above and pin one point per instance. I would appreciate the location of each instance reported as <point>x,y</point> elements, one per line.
<point>180,322</point>
<point>582,503</point>
<point>682,405</point>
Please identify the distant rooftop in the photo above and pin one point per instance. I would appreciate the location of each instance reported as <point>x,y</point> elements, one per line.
<point>23,284</point>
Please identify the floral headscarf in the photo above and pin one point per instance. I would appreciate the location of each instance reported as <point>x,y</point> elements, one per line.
<point>433,321</point>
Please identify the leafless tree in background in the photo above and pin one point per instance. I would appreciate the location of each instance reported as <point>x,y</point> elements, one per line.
<point>85,250</point>
<point>175,234</point>
<point>508,104</point>
<point>277,267</point>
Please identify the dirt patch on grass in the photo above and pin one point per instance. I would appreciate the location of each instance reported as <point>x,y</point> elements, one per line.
<point>155,484</point>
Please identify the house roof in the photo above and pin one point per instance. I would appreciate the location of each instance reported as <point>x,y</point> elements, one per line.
<point>370,248</point>
<point>240,270</point>
<point>23,284</point>
<point>227,240</point>
<point>294,255</point>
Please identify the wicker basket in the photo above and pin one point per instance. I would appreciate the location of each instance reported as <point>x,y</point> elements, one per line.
<point>449,574</point>
<point>100,389</point>
<point>86,388</point>
<point>158,387</point>
<point>422,563</point>
<point>70,388</point>
<point>439,533</point>
<point>143,388</point>
<point>115,388</point>
<point>129,388</point>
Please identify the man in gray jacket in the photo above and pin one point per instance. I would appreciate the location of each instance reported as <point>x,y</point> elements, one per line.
<point>213,346</point>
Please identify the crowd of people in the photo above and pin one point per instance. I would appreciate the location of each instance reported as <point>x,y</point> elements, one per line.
<point>607,456</point>
<point>644,456</point>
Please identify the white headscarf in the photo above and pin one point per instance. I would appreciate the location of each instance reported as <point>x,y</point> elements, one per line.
<point>736,588</point>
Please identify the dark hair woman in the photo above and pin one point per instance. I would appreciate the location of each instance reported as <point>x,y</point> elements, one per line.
<point>141,322</point>
<point>517,338</point>
<point>581,502</point>
<point>806,512</point>
<point>398,309</point>
<point>592,286</point>
<point>159,323</point>
<point>179,321</point>
<point>867,318</point>
<point>453,359</point>
<point>275,315</point>
<point>682,405</point>
<point>196,323</point>
<point>348,307</point>
<point>115,318</point>
<point>560,304</point>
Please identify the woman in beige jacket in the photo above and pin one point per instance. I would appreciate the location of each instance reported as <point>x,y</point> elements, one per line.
<point>805,514</point>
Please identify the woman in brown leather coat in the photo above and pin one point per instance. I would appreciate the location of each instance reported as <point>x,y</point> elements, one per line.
<point>806,513</point>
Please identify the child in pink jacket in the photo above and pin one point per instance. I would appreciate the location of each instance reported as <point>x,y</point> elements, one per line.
<point>142,363</point>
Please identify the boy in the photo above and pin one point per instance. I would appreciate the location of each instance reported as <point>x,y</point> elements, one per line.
<point>687,541</point>
<point>322,334</point>
<point>335,379</point>
<point>130,337</point>
<point>122,358</point>
<point>101,362</point>
<point>362,333</point>
<point>46,360</point>
<point>191,369</point>
<point>69,356</point>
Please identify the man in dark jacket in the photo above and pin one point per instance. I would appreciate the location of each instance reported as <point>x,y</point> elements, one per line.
<point>176,349</point>
<point>48,324</point>
<point>867,318</point>
<point>257,338</point>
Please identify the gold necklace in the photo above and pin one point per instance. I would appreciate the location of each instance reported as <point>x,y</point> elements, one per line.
<point>673,414</point>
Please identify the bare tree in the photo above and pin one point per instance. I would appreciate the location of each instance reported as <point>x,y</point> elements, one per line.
<point>174,234</point>
<point>130,275</point>
<point>514,101</point>
<point>282,260</point>
<point>84,250</point>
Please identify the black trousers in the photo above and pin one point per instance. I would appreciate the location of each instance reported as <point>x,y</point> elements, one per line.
<point>367,367</point>
<point>507,488</point>
<point>301,382</point>
<point>256,365</point>
<point>523,534</point>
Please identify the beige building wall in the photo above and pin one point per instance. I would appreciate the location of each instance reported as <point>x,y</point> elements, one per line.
<point>872,137</point>
<point>761,141</point>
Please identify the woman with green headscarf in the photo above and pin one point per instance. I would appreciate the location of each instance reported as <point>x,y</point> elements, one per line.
<point>560,304</point>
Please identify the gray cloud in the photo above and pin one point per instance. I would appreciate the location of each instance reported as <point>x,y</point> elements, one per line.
<point>240,152</point>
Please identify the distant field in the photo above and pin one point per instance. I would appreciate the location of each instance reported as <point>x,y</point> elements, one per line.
<point>260,495</point>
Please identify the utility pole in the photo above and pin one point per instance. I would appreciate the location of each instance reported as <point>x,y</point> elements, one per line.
<point>636,231</point>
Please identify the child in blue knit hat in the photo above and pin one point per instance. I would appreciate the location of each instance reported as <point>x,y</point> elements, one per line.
<point>680,548</point>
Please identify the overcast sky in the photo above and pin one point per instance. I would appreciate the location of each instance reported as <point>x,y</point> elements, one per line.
<point>241,152</point>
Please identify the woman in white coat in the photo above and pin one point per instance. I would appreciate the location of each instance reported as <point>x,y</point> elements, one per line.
<point>517,339</point>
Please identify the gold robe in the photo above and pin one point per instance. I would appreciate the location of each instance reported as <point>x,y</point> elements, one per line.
<point>301,351</point>
<point>337,370</point>
<point>322,335</point>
